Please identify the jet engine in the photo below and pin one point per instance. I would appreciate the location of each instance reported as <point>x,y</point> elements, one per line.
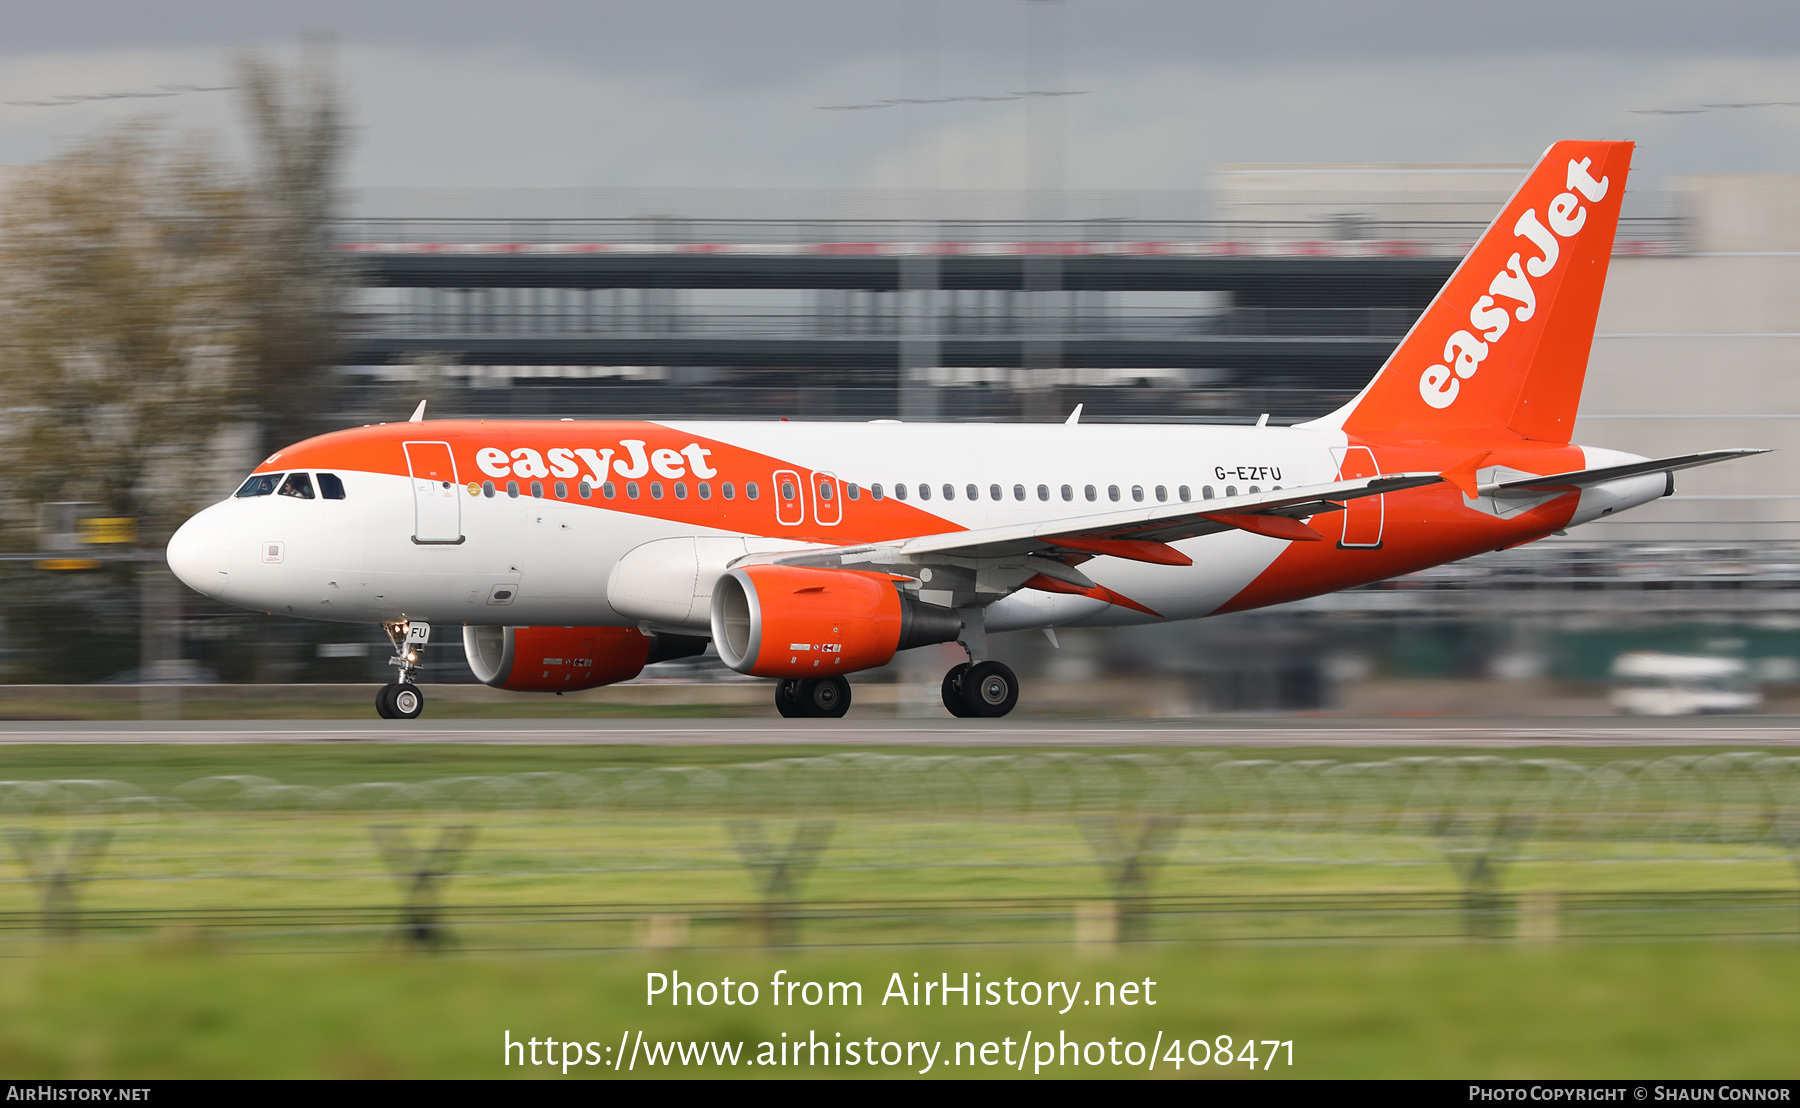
<point>563,659</point>
<point>800,621</point>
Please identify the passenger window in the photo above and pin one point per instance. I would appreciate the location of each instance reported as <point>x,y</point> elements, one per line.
<point>1090,493</point>
<point>297,485</point>
<point>537,490</point>
<point>875,490</point>
<point>1068,492</point>
<point>750,490</point>
<point>704,488</point>
<point>1185,493</point>
<point>512,489</point>
<point>562,490</point>
<point>680,490</point>
<point>1162,493</point>
<point>824,490</point>
<point>924,492</point>
<point>1252,489</point>
<point>631,489</point>
<point>1112,492</point>
<point>1206,492</point>
<point>584,489</point>
<point>656,490</point>
<point>331,486</point>
<point>854,492</point>
<point>1043,492</point>
<point>975,492</point>
<point>1018,492</point>
<point>609,490</point>
<point>260,485</point>
<point>949,492</point>
<point>487,489</point>
<point>728,491</point>
<point>900,491</point>
<point>787,490</point>
<point>1137,493</point>
<point>1230,490</point>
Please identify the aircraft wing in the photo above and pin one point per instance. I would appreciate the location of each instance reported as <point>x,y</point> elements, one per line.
<point>1583,478</point>
<point>1140,534</point>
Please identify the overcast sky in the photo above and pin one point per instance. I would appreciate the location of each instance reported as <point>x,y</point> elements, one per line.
<point>737,92</point>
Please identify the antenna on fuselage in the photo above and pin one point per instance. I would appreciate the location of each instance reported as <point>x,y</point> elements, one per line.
<point>1074,417</point>
<point>418,415</point>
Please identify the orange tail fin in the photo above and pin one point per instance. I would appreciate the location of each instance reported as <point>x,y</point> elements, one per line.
<point>1502,351</point>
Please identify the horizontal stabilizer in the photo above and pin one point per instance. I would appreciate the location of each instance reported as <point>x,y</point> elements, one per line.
<point>1585,478</point>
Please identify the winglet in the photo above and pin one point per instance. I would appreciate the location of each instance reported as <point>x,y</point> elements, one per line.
<point>418,415</point>
<point>1074,417</point>
<point>1462,475</point>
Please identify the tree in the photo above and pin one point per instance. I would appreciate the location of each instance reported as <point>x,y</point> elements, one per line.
<point>123,332</point>
<point>296,292</point>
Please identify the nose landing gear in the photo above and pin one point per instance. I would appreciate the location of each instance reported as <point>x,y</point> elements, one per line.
<point>403,699</point>
<point>821,698</point>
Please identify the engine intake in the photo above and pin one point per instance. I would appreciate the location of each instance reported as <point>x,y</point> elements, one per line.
<point>800,621</point>
<point>564,659</point>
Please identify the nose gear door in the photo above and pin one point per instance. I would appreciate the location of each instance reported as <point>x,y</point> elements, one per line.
<point>437,512</point>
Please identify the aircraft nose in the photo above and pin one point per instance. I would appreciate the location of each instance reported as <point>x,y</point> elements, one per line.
<point>197,553</point>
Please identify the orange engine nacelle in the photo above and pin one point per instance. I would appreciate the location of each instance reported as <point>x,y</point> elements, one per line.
<point>563,659</point>
<point>798,621</point>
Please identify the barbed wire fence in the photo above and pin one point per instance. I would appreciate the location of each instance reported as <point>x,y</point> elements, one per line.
<point>857,848</point>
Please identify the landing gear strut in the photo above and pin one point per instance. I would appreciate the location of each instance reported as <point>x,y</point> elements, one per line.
<point>821,698</point>
<point>402,699</point>
<point>985,690</point>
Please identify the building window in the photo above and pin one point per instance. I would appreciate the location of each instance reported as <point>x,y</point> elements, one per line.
<point>331,486</point>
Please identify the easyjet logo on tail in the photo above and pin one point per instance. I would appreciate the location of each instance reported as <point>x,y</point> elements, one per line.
<point>1489,319</point>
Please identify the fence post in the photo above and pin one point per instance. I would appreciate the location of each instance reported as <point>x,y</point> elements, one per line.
<point>57,879</point>
<point>778,875</point>
<point>1130,858</point>
<point>420,874</point>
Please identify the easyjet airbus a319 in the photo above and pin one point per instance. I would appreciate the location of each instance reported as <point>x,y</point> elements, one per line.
<point>572,554</point>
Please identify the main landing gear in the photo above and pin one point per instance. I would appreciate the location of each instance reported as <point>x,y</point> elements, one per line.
<point>812,698</point>
<point>980,690</point>
<point>402,699</point>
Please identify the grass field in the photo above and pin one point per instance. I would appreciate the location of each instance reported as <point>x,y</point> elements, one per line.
<point>1453,1011</point>
<point>222,936</point>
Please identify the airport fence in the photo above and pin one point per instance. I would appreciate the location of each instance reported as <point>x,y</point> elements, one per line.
<point>858,849</point>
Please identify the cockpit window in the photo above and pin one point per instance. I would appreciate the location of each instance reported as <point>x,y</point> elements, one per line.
<point>297,484</point>
<point>331,486</point>
<point>261,484</point>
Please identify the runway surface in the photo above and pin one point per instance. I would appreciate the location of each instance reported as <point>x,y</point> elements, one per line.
<point>1594,732</point>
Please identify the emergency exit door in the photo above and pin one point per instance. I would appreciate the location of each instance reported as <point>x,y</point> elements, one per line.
<point>437,510</point>
<point>1363,517</point>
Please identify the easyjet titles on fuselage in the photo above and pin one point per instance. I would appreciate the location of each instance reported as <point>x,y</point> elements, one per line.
<point>560,461</point>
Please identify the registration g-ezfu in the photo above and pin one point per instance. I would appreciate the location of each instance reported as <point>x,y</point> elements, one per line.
<point>860,540</point>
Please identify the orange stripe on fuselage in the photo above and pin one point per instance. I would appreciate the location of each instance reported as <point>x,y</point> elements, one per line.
<point>1421,527</point>
<point>378,449</point>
